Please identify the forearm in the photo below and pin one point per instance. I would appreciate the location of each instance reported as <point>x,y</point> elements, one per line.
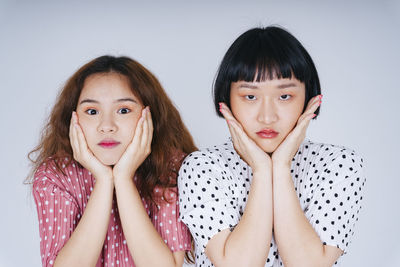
<point>84,246</point>
<point>143,240</point>
<point>298,243</point>
<point>248,243</point>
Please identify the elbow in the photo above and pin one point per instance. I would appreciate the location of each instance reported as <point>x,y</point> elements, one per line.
<point>238,262</point>
<point>307,263</point>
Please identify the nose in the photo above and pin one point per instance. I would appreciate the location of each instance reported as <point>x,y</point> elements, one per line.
<point>107,124</point>
<point>267,112</point>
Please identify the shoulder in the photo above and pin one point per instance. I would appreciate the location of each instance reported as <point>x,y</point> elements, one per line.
<point>328,153</point>
<point>327,160</point>
<point>176,158</point>
<point>220,156</point>
<point>212,169</point>
<point>61,172</point>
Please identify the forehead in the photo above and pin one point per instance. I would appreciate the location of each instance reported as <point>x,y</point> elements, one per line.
<point>106,85</point>
<point>276,83</point>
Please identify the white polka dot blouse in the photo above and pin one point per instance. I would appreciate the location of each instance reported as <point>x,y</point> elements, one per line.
<point>214,184</point>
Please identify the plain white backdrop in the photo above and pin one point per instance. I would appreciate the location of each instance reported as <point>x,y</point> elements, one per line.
<point>353,43</point>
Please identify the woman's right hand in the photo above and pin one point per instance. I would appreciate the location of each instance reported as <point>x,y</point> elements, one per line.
<point>250,152</point>
<point>83,154</point>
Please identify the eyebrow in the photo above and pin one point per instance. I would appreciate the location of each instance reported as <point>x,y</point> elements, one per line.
<point>116,101</point>
<point>281,86</point>
<point>248,85</point>
<point>287,85</point>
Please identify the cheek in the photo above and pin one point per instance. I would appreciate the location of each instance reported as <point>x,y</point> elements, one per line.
<point>246,115</point>
<point>88,128</point>
<point>291,115</point>
<point>129,126</point>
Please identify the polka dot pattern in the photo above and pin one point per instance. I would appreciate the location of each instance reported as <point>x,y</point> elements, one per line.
<point>214,185</point>
<point>61,199</point>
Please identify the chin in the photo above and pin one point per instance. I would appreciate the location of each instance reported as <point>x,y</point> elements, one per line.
<point>268,147</point>
<point>108,160</point>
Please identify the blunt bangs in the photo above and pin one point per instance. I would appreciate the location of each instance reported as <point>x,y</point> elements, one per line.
<point>262,54</point>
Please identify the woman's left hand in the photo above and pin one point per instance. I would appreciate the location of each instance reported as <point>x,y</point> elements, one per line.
<point>138,150</point>
<point>289,146</point>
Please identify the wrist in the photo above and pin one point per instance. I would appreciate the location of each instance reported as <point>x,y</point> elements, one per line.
<point>122,180</point>
<point>103,176</point>
<point>281,167</point>
<point>262,171</point>
<point>104,183</point>
<point>282,163</point>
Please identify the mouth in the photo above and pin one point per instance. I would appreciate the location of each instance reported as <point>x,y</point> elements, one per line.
<point>267,134</point>
<point>108,143</point>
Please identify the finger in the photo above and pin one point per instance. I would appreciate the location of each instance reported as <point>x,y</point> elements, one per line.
<point>73,135</point>
<point>145,132</point>
<point>310,110</point>
<point>81,139</point>
<point>71,127</point>
<point>241,136</point>
<point>302,126</point>
<point>313,101</point>
<point>150,123</point>
<point>234,135</point>
<point>226,112</point>
<point>139,130</point>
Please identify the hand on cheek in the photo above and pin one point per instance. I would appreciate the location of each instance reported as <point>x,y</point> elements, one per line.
<point>289,146</point>
<point>138,150</point>
<point>244,145</point>
<point>83,154</point>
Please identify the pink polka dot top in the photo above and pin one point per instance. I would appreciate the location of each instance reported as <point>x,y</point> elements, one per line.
<point>61,200</point>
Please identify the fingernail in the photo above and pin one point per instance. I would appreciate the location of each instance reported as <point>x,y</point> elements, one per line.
<point>314,115</point>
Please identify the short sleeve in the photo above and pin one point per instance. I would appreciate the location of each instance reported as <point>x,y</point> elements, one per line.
<point>205,202</point>
<point>165,218</point>
<point>58,214</point>
<point>334,210</point>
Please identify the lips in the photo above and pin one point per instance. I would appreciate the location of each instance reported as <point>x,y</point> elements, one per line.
<point>108,143</point>
<point>267,133</point>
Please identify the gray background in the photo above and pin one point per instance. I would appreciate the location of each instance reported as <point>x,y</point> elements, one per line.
<point>354,44</point>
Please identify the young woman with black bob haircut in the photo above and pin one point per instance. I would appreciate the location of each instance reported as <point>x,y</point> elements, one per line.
<point>267,197</point>
<point>105,171</point>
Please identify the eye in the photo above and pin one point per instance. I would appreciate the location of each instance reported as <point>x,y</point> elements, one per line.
<point>124,110</point>
<point>250,97</point>
<point>91,111</point>
<point>285,97</point>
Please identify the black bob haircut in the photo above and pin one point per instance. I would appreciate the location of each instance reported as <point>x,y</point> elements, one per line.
<point>262,54</point>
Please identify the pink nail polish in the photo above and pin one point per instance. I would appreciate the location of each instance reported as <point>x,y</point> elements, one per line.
<point>314,115</point>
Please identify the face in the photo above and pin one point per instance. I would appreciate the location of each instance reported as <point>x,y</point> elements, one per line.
<point>268,110</point>
<point>108,112</point>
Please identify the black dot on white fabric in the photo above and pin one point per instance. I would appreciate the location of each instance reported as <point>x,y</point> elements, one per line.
<point>328,180</point>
